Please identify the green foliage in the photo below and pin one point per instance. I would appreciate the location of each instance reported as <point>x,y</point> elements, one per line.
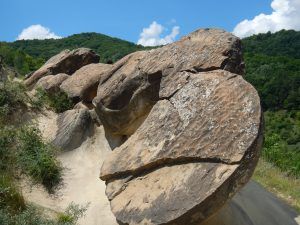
<point>33,216</point>
<point>58,101</point>
<point>10,197</point>
<point>282,140</point>
<point>37,159</point>
<point>19,60</point>
<point>282,43</point>
<point>12,97</point>
<point>72,214</point>
<point>110,49</point>
<point>277,80</point>
<point>273,68</point>
<point>22,149</point>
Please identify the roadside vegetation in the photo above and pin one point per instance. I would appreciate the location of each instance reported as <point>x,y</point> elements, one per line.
<point>284,185</point>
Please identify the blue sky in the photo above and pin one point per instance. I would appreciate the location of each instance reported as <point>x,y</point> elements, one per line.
<point>126,19</point>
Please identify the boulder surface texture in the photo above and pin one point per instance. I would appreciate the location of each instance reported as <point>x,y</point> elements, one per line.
<point>65,62</point>
<point>191,128</point>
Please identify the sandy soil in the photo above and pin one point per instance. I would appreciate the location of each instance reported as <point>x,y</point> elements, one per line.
<point>81,183</point>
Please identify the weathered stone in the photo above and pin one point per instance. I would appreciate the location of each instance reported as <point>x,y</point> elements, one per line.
<point>65,62</point>
<point>193,129</point>
<point>51,83</point>
<point>74,126</point>
<point>83,84</point>
<point>131,90</point>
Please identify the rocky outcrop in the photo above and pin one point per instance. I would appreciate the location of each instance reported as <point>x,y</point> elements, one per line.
<point>83,84</point>
<point>51,83</point>
<point>142,78</point>
<point>74,126</point>
<point>65,62</point>
<point>191,128</point>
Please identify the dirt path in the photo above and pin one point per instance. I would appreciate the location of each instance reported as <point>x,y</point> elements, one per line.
<point>81,183</point>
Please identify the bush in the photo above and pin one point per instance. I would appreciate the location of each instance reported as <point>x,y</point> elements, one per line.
<point>33,216</point>
<point>72,214</point>
<point>37,159</point>
<point>22,149</point>
<point>57,101</point>
<point>10,197</point>
<point>12,97</point>
<point>277,151</point>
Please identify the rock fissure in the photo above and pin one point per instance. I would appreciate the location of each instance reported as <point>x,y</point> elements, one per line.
<point>166,162</point>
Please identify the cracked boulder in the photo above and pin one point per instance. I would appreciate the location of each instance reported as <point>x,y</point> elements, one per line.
<point>65,62</point>
<point>191,130</point>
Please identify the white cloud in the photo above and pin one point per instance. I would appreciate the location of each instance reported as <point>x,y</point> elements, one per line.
<point>151,36</point>
<point>37,32</point>
<point>285,15</point>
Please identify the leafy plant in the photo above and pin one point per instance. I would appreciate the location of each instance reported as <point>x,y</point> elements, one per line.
<point>37,158</point>
<point>58,101</point>
<point>12,97</point>
<point>72,214</point>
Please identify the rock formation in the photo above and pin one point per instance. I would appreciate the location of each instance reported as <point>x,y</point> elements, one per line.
<point>193,125</point>
<point>83,84</point>
<point>185,126</point>
<point>51,83</point>
<point>65,62</point>
<point>73,128</point>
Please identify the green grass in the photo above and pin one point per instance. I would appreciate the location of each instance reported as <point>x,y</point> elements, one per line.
<point>32,215</point>
<point>38,159</point>
<point>12,98</point>
<point>280,183</point>
<point>10,197</point>
<point>22,150</point>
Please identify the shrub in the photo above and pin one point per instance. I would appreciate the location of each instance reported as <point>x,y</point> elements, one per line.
<point>22,149</point>
<point>281,155</point>
<point>37,159</point>
<point>12,97</point>
<point>58,101</point>
<point>33,216</point>
<point>10,197</point>
<point>72,214</point>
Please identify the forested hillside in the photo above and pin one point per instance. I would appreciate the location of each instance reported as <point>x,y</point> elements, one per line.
<point>273,67</point>
<point>110,49</point>
<point>28,55</point>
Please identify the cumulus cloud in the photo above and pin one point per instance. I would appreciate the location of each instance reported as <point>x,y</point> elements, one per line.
<point>285,15</point>
<point>37,32</point>
<point>151,36</point>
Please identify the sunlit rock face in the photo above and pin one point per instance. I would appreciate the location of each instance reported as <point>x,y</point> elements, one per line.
<point>185,126</point>
<point>65,62</point>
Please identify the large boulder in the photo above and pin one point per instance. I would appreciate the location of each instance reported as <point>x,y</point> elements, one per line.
<point>73,127</point>
<point>65,62</point>
<point>158,74</point>
<point>193,127</point>
<point>51,83</point>
<point>83,84</point>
